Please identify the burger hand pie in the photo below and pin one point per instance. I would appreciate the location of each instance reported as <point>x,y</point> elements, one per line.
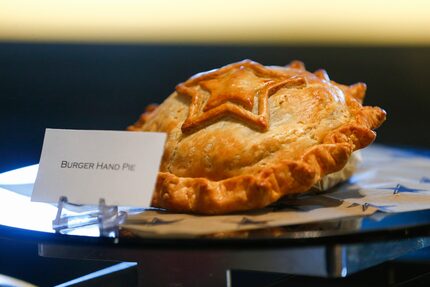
<point>245,135</point>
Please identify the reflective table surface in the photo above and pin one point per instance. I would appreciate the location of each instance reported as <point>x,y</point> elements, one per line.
<point>332,248</point>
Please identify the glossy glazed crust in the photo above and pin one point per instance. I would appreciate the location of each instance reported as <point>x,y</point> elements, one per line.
<point>226,164</point>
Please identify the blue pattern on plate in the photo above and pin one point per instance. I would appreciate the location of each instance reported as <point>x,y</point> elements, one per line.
<point>384,208</point>
<point>401,188</point>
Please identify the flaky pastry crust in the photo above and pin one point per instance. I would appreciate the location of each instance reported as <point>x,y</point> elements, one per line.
<point>245,135</point>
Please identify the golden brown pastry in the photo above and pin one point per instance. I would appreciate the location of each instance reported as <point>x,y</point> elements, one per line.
<point>242,136</point>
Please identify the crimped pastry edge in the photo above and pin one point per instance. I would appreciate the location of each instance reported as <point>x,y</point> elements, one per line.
<point>244,192</point>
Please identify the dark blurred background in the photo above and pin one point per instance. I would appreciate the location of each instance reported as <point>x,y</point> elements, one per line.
<point>107,86</point>
<point>97,64</point>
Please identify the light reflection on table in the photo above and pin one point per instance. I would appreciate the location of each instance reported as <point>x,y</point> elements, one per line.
<point>17,209</point>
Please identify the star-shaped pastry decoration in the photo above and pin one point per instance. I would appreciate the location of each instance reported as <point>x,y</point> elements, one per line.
<point>232,90</point>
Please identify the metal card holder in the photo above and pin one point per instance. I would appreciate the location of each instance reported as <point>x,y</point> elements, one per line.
<point>71,216</point>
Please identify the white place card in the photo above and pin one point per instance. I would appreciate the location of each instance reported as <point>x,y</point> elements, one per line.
<point>86,165</point>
